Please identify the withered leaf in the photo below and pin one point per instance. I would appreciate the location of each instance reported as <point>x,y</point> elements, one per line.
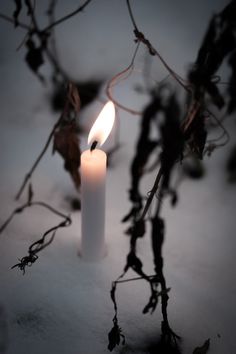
<point>168,335</point>
<point>152,303</point>
<point>158,229</point>
<point>88,91</point>
<point>228,14</point>
<point>134,262</point>
<point>133,211</point>
<point>203,349</point>
<point>145,145</point>
<point>232,85</point>
<point>153,300</point>
<point>66,143</point>
<point>171,138</point>
<point>218,43</point>
<point>139,228</point>
<point>114,337</point>
<point>74,97</point>
<point>34,57</point>
<point>136,199</point>
<point>17,11</point>
<point>231,165</point>
<point>197,136</point>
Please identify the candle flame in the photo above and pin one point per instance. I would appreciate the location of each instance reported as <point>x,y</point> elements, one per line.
<point>103,124</point>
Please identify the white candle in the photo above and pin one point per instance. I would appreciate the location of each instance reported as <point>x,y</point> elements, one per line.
<point>93,188</point>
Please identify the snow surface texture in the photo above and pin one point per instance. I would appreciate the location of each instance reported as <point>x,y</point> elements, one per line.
<point>62,304</point>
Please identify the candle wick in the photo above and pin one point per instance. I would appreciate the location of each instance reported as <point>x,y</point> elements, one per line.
<point>93,146</point>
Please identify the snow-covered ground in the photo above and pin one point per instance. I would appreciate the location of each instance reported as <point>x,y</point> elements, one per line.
<point>62,304</point>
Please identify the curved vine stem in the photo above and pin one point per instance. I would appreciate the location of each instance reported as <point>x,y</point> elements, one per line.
<point>141,38</point>
<point>121,76</point>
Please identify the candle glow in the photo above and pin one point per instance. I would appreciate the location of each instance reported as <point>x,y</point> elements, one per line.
<point>103,124</point>
<point>93,187</point>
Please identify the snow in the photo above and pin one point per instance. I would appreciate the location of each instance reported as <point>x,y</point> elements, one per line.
<point>62,304</point>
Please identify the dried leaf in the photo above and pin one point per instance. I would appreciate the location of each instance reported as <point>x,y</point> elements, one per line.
<point>131,214</point>
<point>134,262</point>
<point>218,43</point>
<point>17,11</point>
<point>206,45</point>
<point>231,165</point>
<point>197,136</point>
<point>138,229</point>
<point>88,92</point>
<point>66,143</point>
<point>228,14</point>
<point>203,349</point>
<point>153,300</point>
<point>158,229</point>
<point>145,146</point>
<point>152,303</point>
<point>168,335</point>
<point>232,85</point>
<point>34,57</point>
<point>114,337</point>
<point>74,97</point>
<point>171,138</point>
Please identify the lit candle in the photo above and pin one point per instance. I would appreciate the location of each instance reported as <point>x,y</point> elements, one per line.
<point>93,187</point>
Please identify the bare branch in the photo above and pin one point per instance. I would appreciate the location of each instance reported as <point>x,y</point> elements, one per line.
<point>40,244</point>
<point>71,101</point>
<point>141,38</point>
<point>31,171</point>
<point>11,20</point>
<point>67,17</point>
